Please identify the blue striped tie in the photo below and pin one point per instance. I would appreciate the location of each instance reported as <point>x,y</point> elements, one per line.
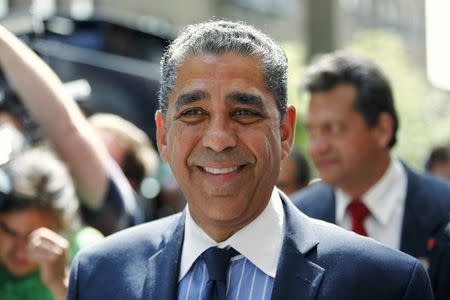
<point>217,261</point>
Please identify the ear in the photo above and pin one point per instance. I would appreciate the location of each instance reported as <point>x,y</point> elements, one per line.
<point>384,129</point>
<point>161,139</point>
<point>287,131</point>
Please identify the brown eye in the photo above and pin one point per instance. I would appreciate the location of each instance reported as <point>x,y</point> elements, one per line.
<point>192,115</point>
<point>245,115</point>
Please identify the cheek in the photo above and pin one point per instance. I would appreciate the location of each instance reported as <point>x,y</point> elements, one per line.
<point>265,145</point>
<point>5,246</point>
<point>181,142</point>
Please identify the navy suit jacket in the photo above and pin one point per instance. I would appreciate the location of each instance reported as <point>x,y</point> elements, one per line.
<point>426,212</point>
<point>427,208</point>
<point>318,261</point>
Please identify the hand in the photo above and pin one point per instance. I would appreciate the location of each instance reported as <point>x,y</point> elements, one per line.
<point>50,250</point>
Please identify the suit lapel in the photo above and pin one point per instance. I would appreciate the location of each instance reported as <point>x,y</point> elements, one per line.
<point>329,206</point>
<point>163,267</point>
<point>414,234</point>
<point>297,277</point>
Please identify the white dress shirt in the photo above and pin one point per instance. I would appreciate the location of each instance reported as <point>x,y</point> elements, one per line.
<point>260,241</point>
<point>386,202</point>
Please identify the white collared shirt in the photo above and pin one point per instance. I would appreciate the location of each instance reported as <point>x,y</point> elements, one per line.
<point>386,202</point>
<point>260,241</point>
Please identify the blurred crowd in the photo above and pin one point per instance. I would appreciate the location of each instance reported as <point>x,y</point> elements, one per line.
<point>66,180</point>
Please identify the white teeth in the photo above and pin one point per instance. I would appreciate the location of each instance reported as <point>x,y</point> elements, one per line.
<point>216,171</point>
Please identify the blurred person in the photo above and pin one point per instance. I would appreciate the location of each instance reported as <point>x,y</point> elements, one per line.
<point>107,199</point>
<point>132,150</point>
<point>224,125</point>
<point>294,173</point>
<point>40,230</point>
<point>438,162</point>
<point>352,125</point>
<point>128,145</point>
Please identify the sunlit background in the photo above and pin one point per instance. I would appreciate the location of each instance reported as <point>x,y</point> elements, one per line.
<point>116,46</point>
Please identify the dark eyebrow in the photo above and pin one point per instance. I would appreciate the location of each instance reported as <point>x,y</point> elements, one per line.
<point>247,99</point>
<point>8,230</point>
<point>190,97</point>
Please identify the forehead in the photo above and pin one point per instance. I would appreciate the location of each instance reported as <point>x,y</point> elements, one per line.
<point>224,72</point>
<point>27,220</point>
<point>335,103</point>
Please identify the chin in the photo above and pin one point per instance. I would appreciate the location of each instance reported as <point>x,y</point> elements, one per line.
<point>21,271</point>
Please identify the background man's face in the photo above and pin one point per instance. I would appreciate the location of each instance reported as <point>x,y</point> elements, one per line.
<point>222,138</point>
<point>341,145</point>
<point>15,228</point>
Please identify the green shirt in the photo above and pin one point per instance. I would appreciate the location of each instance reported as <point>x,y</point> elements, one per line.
<point>30,287</point>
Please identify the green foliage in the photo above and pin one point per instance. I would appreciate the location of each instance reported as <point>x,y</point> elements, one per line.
<point>296,55</point>
<point>424,111</point>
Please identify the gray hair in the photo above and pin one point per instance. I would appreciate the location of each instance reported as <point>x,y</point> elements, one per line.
<point>219,37</point>
<point>37,179</point>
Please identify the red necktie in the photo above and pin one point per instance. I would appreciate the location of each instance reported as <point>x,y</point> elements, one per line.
<point>358,212</point>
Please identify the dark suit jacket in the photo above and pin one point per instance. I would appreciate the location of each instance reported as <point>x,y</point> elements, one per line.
<point>318,261</point>
<point>427,208</point>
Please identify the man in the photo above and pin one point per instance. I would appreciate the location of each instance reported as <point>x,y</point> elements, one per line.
<point>438,163</point>
<point>352,125</point>
<point>294,173</point>
<point>39,227</point>
<point>107,200</point>
<point>223,126</point>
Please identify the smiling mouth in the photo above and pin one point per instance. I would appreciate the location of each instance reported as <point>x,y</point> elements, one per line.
<point>221,171</point>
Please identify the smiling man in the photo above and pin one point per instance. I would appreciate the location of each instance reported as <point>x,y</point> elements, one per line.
<point>224,126</point>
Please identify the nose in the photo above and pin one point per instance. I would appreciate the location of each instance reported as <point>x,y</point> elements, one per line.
<point>318,145</point>
<point>219,135</point>
<point>20,248</point>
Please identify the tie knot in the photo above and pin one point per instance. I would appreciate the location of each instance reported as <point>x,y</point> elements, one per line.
<point>358,210</point>
<point>217,261</point>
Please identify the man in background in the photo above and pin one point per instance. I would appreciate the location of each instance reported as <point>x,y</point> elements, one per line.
<point>438,162</point>
<point>352,125</point>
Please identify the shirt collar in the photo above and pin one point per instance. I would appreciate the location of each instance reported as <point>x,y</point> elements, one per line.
<point>381,198</point>
<point>260,241</point>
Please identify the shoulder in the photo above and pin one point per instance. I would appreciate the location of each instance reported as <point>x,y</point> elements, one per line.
<point>133,241</point>
<point>313,191</point>
<point>430,194</point>
<point>333,244</point>
<point>426,184</point>
<point>316,200</point>
<point>359,264</point>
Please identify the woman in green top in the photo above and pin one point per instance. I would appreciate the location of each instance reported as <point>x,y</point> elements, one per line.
<point>39,227</point>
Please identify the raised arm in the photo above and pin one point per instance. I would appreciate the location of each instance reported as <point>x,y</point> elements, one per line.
<point>72,136</point>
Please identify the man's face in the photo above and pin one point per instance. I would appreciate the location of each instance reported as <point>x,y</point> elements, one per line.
<point>223,140</point>
<point>15,228</point>
<point>343,148</point>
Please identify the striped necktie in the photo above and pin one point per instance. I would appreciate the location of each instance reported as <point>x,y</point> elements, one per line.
<point>217,261</point>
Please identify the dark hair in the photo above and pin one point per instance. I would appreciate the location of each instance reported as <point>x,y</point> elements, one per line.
<point>438,155</point>
<point>37,179</point>
<point>374,94</point>
<point>219,37</point>
<point>303,174</point>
